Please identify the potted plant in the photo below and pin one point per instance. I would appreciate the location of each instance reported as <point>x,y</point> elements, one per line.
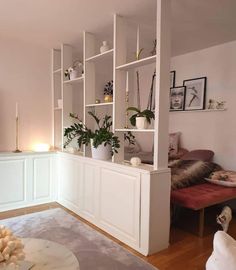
<point>103,142</point>
<point>141,119</point>
<point>75,71</point>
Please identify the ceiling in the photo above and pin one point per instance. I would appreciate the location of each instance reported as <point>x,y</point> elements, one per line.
<point>196,24</point>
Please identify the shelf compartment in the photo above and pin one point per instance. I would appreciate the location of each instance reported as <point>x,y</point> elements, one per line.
<point>57,71</point>
<point>134,130</point>
<point>100,56</point>
<point>138,63</point>
<point>75,81</point>
<point>99,104</point>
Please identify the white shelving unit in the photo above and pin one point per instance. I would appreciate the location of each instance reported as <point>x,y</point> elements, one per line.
<point>145,190</point>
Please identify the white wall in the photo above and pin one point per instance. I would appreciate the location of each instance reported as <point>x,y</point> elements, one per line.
<point>24,78</point>
<point>210,130</point>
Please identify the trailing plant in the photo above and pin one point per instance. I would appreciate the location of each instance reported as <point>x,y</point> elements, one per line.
<point>148,114</point>
<point>84,135</point>
<point>129,137</point>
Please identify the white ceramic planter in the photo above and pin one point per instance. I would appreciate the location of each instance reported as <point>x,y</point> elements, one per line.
<point>101,152</point>
<point>141,123</point>
<point>74,74</point>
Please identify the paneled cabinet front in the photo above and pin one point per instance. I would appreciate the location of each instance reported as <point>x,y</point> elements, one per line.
<point>25,181</point>
<point>109,197</point>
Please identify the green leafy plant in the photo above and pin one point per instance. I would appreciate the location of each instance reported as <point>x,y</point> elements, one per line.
<point>148,114</point>
<point>101,135</point>
<point>129,137</point>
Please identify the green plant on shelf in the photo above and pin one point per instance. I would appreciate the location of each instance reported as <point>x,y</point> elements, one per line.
<point>148,114</point>
<point>84,135</point>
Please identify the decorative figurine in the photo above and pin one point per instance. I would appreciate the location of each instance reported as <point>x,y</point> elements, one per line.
<point>211,104</point>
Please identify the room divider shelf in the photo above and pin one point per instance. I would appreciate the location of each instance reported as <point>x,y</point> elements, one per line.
<point>75,81</point>
<point>99,104</point>
<point>138,63</point>
<point>100,56</point>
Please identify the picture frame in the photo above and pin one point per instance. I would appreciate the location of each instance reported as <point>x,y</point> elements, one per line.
<point>195,94</point>
<point>177,98</point>
<point>172,78</point>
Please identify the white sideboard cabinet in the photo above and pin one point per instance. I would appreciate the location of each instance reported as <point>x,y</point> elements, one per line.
<point>26,179</point>
<point>131,204</point>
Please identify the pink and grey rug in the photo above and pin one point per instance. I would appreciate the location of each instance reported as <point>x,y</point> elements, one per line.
<point>93,250</point>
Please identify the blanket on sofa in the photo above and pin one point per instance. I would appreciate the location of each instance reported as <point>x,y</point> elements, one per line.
<point>189,172</point>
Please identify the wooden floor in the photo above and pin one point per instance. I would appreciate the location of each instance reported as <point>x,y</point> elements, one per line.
<point>186,251</point>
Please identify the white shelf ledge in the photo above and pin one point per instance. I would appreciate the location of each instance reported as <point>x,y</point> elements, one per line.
<point>57,71</point>
<point>100,56</point>
<point>75,81</point>
<point>99,104</point>
<point>57,109</point>
<point>138,63</point>
<point>193,111</point>
<point>134,130</point>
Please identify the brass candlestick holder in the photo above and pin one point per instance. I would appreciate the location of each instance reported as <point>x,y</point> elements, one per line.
<point>17,136</point>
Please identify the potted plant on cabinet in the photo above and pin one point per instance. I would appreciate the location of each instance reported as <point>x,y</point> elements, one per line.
<point>103,142</point>
<point>141,119</point>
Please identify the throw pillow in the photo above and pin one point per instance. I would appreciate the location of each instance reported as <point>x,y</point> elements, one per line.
<point>174,143</point>
<point>223,178</point>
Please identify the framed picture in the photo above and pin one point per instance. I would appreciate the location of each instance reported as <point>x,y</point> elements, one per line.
<point>195,94</point>
<point>177,98</point>
<point>172,79</point>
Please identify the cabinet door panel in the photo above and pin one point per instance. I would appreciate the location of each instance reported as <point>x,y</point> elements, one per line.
<point>42,178</point>
<point>13,181</point>
<point>89,186</point>
<point>120,203</point>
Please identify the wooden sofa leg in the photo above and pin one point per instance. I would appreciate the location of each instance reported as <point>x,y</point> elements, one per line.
<point>201,222</point>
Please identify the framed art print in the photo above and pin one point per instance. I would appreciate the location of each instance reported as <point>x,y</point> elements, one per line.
<point>172,79</point>
<point>177,98</point>
<point>195,94</point>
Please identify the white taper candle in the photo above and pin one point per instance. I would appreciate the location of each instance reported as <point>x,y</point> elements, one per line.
<point>16,110</point>
<point>138,30</point>
<point>127,81</point>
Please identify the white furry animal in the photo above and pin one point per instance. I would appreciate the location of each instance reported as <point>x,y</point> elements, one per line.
<point>224,218</point>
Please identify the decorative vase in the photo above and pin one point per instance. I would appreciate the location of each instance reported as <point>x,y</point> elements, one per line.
<point>104,47</point>
<point>108,98</point>
<point>141,123</point>
<point>74,74</point>
<point>102,152</point>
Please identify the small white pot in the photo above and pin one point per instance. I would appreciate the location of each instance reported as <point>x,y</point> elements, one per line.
<point>74,74</point>
<point>141,123</point>
<point>104,47</point>
<point>101,152</point>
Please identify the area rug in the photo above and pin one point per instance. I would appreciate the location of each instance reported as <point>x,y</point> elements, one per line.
<point>93,250</point>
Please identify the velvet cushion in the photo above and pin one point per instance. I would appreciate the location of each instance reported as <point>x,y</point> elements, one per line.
<point>203,195</point>
<point>203,155</point>
<point>224,253</point>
